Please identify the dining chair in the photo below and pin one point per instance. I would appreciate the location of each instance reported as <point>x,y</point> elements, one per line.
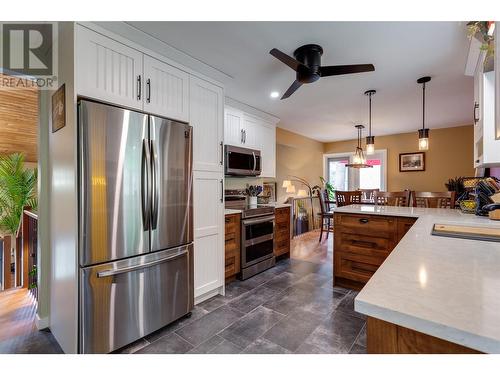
<point>346,198</point>
<point>368,194</point>
<point>392,198</point>
<point>326,215</point>
<point>444,199</point>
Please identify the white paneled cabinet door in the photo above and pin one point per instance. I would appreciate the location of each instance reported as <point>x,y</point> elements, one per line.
<point>266,135</point>
<point>166,90</point>
<point>233,127</point>
<point>208,190</point>
<point>108,70</point>
<point>250,130</point>
<point>206,111</point>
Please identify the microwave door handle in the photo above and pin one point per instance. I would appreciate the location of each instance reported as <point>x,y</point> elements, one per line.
<point>145,184</point>
<point>254,162</point>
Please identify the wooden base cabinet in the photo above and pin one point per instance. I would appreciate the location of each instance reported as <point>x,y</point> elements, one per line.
<point>362,243</point>
<point>388,338</point>
<point>232,246</point>
<point>282,231</point>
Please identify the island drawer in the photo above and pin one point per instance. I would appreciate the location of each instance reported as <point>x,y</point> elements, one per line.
<point>364,245</point>
<point>356,267</point>
<point>377,226</point>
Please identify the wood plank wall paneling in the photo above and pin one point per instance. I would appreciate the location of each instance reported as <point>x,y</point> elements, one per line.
<point>19,121</point>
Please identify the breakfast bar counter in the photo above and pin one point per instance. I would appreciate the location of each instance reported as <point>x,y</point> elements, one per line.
<point>443,288</point>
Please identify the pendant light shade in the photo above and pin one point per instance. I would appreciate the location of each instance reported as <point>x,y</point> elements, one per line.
<point>370,140</point>
<point>423,134</point>
<point>359,160</point>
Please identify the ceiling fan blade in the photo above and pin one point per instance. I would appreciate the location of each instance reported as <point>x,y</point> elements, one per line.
<point>295,85</point>
<point>285,59</point>
<point>336,70</point>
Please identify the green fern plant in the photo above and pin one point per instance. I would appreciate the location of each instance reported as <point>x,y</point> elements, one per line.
<point>17,191</point>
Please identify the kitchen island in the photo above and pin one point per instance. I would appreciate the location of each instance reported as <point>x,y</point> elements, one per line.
<point>432,294</point>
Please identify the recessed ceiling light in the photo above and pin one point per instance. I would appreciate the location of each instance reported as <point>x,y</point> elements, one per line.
<point>275,94</point>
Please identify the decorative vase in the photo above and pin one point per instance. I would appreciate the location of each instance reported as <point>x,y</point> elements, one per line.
<point>252,201</point>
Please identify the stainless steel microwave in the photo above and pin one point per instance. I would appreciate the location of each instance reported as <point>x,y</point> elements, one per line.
<point>242,161</point>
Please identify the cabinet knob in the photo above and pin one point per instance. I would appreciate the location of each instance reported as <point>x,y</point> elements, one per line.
<point>363,221</point>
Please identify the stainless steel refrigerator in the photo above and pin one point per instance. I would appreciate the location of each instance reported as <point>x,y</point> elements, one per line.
<point>136,229</point>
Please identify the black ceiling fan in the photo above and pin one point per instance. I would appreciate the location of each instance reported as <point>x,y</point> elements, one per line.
<point>307,64</point>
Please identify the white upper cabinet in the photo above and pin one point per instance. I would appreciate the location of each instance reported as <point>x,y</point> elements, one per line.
<point>267,136</point>
<point>108,70</point>
<point>245,130</point>
<point>233,127</point>
<point>166,90</point>
<point>206,116</point>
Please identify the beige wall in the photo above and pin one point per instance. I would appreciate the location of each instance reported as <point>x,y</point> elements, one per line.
<point>450,154</point>
<point>298,156</point>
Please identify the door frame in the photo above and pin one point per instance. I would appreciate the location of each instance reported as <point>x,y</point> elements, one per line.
<point>349,155</point>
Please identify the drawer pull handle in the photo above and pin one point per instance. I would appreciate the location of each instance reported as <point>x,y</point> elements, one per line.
<point>364,243</point>
<point>363,221</point>
<point>227,220</point>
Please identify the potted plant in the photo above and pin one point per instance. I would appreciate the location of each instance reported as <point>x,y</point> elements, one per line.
<point>17,191</point>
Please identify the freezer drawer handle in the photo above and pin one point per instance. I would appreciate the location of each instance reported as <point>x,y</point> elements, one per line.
<point>119,271</point>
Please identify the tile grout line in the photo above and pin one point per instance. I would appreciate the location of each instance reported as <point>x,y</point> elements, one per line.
<point>356,339</point>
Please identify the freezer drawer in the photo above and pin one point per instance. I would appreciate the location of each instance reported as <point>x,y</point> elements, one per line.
<point>125,300</point>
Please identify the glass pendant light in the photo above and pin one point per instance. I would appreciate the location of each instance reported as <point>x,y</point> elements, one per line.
<point>423,134</point>
<point>370,140</point>
<point>359,160</point>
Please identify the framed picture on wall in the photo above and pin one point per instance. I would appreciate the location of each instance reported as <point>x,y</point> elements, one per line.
<point>269,190</point>
<point>59,109</point>
<point>412,162</point>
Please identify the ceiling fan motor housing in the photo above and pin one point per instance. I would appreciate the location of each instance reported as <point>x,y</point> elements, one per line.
<point>310,56</point>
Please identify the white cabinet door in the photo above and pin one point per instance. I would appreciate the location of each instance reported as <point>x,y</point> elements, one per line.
<point>266,135</point>
<point>478,115</point>
<point>166,90</point>
<point>108,70</point>
<point>233,127</point>
<point>208,190</point>
<point>206,116</point>
<point>250,129</point>
<point>497,81</point>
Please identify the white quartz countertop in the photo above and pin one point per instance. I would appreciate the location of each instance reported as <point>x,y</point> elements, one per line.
<point>230,211</point>
<point>445,287</point>
<point>277,205</point>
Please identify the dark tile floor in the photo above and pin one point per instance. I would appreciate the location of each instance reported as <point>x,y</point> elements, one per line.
<point>291,308</point>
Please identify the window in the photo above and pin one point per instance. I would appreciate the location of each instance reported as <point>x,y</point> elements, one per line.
<point>343,178</point>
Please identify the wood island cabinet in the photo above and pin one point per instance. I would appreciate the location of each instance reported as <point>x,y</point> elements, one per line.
<point>362,243</point>
<point>282,231</point>
<point>232,246</point>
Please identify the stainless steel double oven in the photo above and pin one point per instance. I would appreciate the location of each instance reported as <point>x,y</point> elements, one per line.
<point>257,240</point>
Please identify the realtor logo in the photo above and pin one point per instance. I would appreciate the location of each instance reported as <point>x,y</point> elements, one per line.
<point>29,50</point>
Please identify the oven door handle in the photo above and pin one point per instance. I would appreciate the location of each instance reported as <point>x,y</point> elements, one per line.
<point>255,241</point>
<point>258,220</point>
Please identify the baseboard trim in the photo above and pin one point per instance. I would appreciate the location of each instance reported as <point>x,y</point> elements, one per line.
<point>41,323</point>
<point>208,295</point>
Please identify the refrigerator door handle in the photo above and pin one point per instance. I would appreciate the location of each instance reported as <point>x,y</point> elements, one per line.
<point>136,267</point>
<point>154,188</point>
<point>145,184</point>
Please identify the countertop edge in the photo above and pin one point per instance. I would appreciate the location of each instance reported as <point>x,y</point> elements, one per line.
<point>467,339</point>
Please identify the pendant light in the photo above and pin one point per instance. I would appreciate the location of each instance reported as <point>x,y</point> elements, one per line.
<point>359,160</point>
<point>370,140</point>
<point>423,134</point>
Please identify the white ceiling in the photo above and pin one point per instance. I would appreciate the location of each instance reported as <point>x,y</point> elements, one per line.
<point>328,109</point>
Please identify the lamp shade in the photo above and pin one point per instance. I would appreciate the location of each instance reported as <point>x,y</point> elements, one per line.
<point>302,193</point>
<point>290,189</point>
<point>286,183</point>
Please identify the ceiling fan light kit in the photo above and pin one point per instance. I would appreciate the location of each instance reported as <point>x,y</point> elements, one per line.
<point>307,65</point>
<point>370,140</point>
<point>423,134</point>
<point>359,160</point>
